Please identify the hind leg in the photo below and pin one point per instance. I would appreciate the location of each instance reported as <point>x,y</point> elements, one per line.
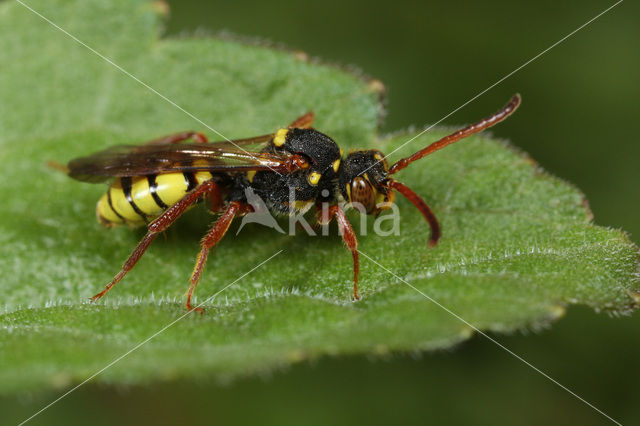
<point>304,121</point>
<point>179,137</point>
<point>158,225</point>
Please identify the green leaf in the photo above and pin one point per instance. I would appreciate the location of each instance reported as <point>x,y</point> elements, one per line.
<point>517,247</point>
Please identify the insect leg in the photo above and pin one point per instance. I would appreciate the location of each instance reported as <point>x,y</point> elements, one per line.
<point>158,225</point>
<point>214,235</point>
<point>179,137</point>
<point>420,205</point>
<point>304,121</point>
<point>348,236</point>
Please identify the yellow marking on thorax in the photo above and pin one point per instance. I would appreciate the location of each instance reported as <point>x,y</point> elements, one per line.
<point>336,165</point>
<point>280,138</point>
<point>250,175</point>
<point>314,178</point>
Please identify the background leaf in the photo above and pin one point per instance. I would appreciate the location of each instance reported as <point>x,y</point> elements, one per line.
<point>518,245</point>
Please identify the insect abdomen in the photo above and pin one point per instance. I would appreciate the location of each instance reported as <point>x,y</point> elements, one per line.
<point>139,199</point>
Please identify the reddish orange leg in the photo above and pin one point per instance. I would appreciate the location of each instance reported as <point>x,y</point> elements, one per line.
<point>215,201</point>
<point>420,205</point>
<point>179,137</point>
<point>304,121</point>
<point>158,225</point>
<point>348,236</point>
<point>212,238</point>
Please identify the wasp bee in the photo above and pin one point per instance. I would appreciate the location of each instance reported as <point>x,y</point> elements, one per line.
<point>292,170</point>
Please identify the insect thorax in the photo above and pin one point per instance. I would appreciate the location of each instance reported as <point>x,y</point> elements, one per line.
<point>294,192</point>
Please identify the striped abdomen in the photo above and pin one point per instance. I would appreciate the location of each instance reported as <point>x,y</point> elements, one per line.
<point>139,199</point>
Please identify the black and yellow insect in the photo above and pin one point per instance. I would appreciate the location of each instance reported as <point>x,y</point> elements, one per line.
<point>291,170</point>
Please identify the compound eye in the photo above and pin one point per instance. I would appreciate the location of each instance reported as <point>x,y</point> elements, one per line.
<point>361,193</point>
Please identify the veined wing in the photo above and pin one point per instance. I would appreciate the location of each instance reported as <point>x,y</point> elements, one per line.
<point>139,160</point>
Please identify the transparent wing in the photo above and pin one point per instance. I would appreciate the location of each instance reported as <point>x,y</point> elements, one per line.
<point>140,160</point>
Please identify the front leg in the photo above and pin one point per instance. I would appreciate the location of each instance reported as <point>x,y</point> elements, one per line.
<point>348,236</point>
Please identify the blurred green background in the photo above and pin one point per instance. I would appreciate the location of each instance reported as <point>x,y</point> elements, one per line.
<point>579,120</point>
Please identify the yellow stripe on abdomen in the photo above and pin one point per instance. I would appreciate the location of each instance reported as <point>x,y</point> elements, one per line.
<point>201,177</point>
<point>142,197</point>
<point>105,213</point>
<point>120,205</point>
<point>171,187</point>
<point>139,199</point>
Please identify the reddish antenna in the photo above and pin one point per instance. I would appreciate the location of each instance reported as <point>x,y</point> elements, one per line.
<point>496,118</point>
